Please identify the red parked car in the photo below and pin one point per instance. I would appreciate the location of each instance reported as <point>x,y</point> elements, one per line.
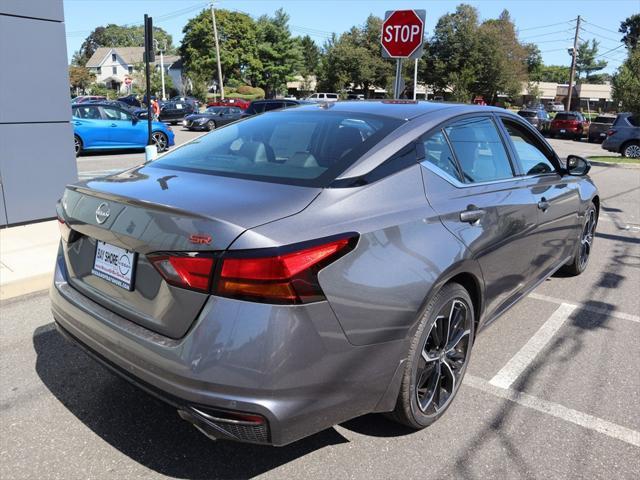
<point>230,102</point>
<point>569,124</point>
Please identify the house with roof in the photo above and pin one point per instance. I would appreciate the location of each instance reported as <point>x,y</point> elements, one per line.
<point>113,65</point>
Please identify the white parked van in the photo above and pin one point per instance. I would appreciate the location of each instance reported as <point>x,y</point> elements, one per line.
<point>324,97</point>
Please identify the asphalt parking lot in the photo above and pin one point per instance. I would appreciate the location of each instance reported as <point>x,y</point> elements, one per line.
<point>552,391</point>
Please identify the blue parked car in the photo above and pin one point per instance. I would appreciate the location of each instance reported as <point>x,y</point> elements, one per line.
<point>104,126</point>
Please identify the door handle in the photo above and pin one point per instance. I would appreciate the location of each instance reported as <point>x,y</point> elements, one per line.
<point>472,214</point>
<point>77,123</point>
<point>114,125</point>
<point>543,204</point>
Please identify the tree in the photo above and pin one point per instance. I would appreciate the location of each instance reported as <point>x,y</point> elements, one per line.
<point>118,36</point>
<point>553,73</point>
<point>238,48</point>
<point>279,55</point>
<point>155,82</point>
<point>452,57</point>
<point>586,59</point>
<point>626,83</point>
<point>502,59</point>
<point>310,56</point>
<point>355,58</point>
<point>534,61</point>
<point>80,78</point>
<point>631,30</point>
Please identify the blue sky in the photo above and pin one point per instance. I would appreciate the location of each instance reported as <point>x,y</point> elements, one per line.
<point>548,23</point>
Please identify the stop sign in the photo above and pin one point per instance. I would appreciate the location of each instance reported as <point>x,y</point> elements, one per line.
<point>402,33</point>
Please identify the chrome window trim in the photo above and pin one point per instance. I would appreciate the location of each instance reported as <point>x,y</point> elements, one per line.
<point>458,184</point>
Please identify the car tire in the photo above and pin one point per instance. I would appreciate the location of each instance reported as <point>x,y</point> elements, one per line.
<point>436,367</point>
<point>584,245</point>
<point>211,125</point>
<point>77,145</point>
<point>590,139</point>
<point>631,149</point>
<point>160,140</point>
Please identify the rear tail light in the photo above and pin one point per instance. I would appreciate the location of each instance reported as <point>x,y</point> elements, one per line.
<point>66,232</point>
<point>284,275</point>
<point>186,270</point>
<point>610,132</point>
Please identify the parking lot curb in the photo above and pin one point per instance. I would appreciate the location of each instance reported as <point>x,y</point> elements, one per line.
<point>614,164</point>
<point>26,285</point>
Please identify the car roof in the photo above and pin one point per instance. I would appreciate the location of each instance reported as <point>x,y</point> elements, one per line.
<point>401,109</point>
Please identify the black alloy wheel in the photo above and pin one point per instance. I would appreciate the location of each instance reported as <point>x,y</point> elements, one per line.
<point>211,125</point>
<point>438,358</point>
<point>584,245</point>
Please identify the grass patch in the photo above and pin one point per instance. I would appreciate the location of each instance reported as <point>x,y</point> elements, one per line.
<point>618,159</point>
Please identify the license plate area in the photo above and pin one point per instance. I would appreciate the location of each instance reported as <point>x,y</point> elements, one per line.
<point>114,264</point>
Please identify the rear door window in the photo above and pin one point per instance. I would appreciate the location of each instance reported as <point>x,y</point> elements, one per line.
<point>479,150</point>
<point>565,116</point>
<point>438,154</point>
<point>607,120</point>
<point>530,152</point>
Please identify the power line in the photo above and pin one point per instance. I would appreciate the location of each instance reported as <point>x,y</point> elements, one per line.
<point>601,36</point>
<point>546,26</point>
<point>545,34</point>
<point>601,28</point>
<point>609,51</point>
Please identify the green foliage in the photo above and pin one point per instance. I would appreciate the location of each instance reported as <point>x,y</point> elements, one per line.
<point>139,81</point>
<point>472,58</point>
<point>118,36</point>
<point>631,30</point>
<point>310,56</point>
<point>238,48</point>
<point>626,83</point>
<point>553,73</point>
<point>586,59</point>
<point>279,55</point>
<point>355,58</point>
<point>80,77</point>
<point>255,92</point>
<point>101,89</point>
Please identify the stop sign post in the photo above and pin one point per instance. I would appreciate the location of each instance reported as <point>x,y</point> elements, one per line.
<point>402,36</point>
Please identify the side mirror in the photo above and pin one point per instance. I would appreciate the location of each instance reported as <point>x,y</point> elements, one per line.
<point>577,166</point>
<point>134,118</point>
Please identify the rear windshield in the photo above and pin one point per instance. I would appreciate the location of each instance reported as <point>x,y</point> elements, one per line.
<point>527,113</point>
<point>608,120</point>
<point>309,148</point>
<point>566,116</point>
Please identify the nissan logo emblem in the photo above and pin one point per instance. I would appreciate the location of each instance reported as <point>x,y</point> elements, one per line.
<point>102,212</point>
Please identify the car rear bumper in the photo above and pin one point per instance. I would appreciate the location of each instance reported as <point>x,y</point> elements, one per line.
<point>293,366</point>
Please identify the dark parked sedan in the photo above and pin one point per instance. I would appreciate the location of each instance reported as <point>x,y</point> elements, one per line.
<point>538,118</point>
<point>211,118</point>
<point>170,112</point>
<point>624,136</point>
<point>306,266</point>
<point>261,106</point>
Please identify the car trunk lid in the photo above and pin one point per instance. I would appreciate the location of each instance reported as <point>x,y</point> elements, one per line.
<point>157,210</point>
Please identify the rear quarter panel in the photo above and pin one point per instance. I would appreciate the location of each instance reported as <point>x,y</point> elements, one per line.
<point>403,253</point>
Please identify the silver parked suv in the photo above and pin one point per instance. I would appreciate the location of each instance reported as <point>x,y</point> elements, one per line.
<point>299,268</point>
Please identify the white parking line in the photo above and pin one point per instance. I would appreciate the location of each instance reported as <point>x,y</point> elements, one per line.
<point>521,360</point>
<point>585,420</point>
<point>588,308</point>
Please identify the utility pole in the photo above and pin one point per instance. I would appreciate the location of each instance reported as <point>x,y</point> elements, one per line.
<point>574,54</point>
<point>215,36</point>
<point>415,79</point>
<point>164,97</point>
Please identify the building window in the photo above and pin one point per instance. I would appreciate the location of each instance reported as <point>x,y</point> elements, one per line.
<point>99,70</point>
<point>113,57</point>
<point>130,69</point>
<point>114,70</point>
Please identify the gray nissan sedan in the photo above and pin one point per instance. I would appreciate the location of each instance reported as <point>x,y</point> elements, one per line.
<point>291,271</point>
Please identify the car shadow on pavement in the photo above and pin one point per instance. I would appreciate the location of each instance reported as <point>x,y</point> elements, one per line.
<point>146,429</point>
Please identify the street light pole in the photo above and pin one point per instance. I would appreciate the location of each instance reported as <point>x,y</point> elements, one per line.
<point>164,46</point>
<point>573,64</point>
<point>215,36</point>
